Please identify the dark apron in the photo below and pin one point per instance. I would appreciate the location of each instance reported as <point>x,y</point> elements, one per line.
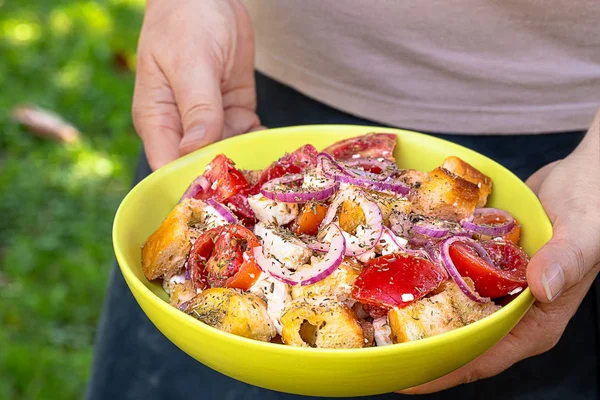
<point>133,360</point>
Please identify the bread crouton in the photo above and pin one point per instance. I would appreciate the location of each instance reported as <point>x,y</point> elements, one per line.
<point>325,323</point>
<point>166,250</point>
<point>412,177</point>
<point>471,174</point>
<point>443,312</point>
<point>390,203</point>
<point>468,310</point>
<point>444,195</point>
<point>427,317</point>
<point>338,285</point>
<point>230,310</point>
<point>182,292</point>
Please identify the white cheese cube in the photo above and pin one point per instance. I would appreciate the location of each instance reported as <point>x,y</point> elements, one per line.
<point>175,279</point>
<point>387,244</point>
<point>366,256</point>
<point>276,294</point>
<point>212,218</point>
<point>287,249</point>
<point>406,297</point>
<point>269,211</point>
<point>382,331</point>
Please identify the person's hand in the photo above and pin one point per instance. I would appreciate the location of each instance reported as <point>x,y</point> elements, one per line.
<point>560,273</point>
<point>195,76</point>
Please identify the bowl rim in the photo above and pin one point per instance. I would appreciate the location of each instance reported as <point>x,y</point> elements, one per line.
<point>524,299</point>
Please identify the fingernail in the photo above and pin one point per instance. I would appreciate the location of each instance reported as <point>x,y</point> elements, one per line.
<point>553,281</point>
<point>192,138</point>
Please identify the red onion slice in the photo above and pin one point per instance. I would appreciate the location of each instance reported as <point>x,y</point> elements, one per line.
<point>319,246</point>
<point>453,272</point>
<point>223,211</point>
<point>429,252</point>
<point>199,185</point>
<point>373,227</point>
<point>430,230</point>
<point>308,274</point>
<point>276,190</point>
<point>184,305</point>
<point>420,241</point>
<point>364,179</point>
<point>329,166</point>
<point>490,230</point>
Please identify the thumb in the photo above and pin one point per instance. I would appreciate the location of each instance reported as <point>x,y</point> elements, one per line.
<point>562,263</point>
<point>197,91</point>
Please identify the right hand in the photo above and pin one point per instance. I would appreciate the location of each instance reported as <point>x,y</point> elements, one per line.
<point>195,76</point>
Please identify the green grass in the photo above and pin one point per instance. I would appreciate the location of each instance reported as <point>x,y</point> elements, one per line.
<point>57,201</point>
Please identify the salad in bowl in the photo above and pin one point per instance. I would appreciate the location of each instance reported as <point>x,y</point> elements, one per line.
<point>337,249</point>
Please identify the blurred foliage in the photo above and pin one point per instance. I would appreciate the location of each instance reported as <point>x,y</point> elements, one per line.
<point>57,201</point>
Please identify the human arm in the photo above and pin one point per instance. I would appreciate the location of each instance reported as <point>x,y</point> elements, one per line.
<point>195,76</point>
<point>561,273</point>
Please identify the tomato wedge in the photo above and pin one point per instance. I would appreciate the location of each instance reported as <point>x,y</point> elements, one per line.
<point>374,145</point>
<point>224,180</point>
<point>292,163</point>
<point>514,235</point>
<point>396,280</point>
<point>222,257</point>
<point>497,280</point>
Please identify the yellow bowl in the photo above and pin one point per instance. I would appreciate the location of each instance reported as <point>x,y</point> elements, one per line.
<point>308,371</point>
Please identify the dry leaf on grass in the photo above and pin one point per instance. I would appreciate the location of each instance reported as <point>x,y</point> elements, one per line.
<point>45,123</point>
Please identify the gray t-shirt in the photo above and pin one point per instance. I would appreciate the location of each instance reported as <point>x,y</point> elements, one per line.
<point>457,66</point>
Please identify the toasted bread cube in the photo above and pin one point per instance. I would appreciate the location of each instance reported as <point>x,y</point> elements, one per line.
<point>445,195</point>
<point>442,312</point>
<point>166,250</point>
<point>325,323</point>
<point>338,285</point>
<point>182,292</point>
<point>468,310</point>
<point>412,177</point>
<point>426,317</point>
<point>390,203</point>
<point>471,174</point>
<point>233,311</point>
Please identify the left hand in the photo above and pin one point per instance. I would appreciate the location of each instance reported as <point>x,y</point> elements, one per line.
<point>560,273</point>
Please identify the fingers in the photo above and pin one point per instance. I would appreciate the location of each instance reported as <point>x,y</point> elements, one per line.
<point>562,263</point>
<point>239,95</point>
<point>258,128</point>
<point>239,120</point>
<point>196,87</point>
<point>195,81</point>
<point>571,197</point>
<point>536,333</point>
<point>155,115</point>
<point>535,180</point>
<point>570,194</point>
